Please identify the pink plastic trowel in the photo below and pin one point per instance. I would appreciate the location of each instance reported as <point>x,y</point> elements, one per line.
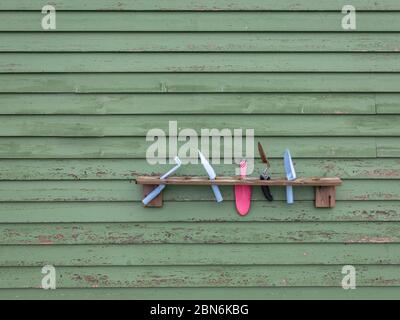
<point>243,193</point>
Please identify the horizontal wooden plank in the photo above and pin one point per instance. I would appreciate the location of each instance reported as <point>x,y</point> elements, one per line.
<point>211,5</point>
<point>388,148</point>
<point>389,109</point>
<point>199,41</point>
<point>215,254</point>
<point>198,21</point>
<point>118,190</point>
<point>199,232</point>
<point>275,293</point>
<point>198,62</point>
<point>140,125</point>
<point>386,104</point>
<point>199,82</point>
<point>261,211</point>
<point>236,180</point>
<point>182,103</point>
<point>127,169</point>
<point>129,147</point>
<point>199,276</point>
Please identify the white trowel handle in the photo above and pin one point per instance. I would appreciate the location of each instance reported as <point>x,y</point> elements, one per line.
<point>289,194</point>
<point>153,194</point>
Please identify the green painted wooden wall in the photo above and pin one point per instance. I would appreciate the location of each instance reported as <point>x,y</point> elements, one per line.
<point>75,106</point>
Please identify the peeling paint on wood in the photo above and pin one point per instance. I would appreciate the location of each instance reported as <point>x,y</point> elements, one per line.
<point>205,5</point>
<point>200,276</point>
<point>128,169</point>
<point>200,232</point>
<point>206,254</point>
<point>211,21</point>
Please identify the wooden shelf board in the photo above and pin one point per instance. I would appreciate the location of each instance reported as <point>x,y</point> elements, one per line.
<point>227,181</point>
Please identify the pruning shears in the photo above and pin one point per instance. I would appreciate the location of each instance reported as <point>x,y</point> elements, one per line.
<point>265,174</point>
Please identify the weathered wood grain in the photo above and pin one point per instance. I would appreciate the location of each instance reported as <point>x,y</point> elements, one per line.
<point>236,180</point>
<point>183,254</point>
<point>273,293</point>
<point>200,276</point>
<point>198,62</point>
<point>389,148</point>
<point>199,232</point>
<point>205,5</point>
<point>198,21</point>
<point>182,103</point>
<point>249,103</point>
<point>386,104</point>
<point>127,169</point>
<point>198,42</point>
<point>130,147</point>
<point>261,211</point>
<point>199,82</point>
<point>139,125</point>
<point>117,190</point>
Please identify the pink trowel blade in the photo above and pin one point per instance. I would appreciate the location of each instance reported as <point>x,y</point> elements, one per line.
<point>243,193</point>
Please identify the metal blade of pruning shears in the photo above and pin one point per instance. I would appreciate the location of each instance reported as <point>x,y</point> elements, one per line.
<point>262,155</point>
<point>265,175</point>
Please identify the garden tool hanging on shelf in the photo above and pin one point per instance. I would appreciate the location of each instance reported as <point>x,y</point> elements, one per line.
<point>156,191</point>
<point>265,175</point>
<point>290,175</point>
<point>243,192</point>
<point>212,175</point>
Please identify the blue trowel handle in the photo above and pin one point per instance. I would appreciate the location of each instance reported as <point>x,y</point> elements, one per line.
<point>289,194</point>
<point>217,193</point>
<point>153,194</point>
